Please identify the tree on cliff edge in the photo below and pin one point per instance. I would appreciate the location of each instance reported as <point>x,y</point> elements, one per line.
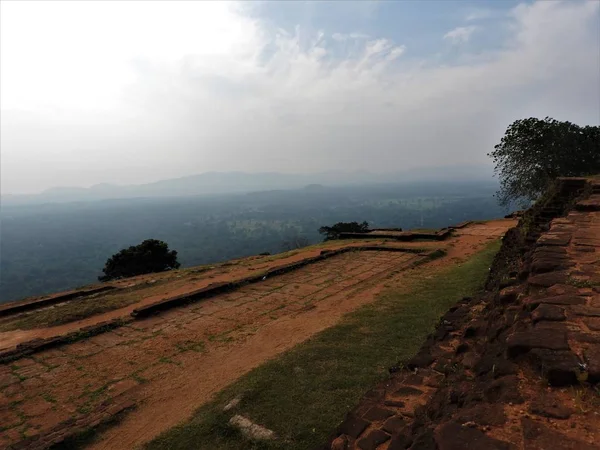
<point>148,257</point>
<point>534,152</point>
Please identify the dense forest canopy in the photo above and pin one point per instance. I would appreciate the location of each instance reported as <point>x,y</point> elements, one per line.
<point>50,247</point>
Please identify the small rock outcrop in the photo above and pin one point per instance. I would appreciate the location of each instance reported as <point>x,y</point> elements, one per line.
<point>250,429</point>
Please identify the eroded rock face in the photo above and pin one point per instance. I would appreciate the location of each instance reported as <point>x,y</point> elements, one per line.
<point>516,367</point>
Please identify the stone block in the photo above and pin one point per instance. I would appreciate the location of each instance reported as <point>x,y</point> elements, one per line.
<point>548,279</point>
<point>393,424</point>
<point>503,390</point>
<point>377,414</point>
<point>559,367</point>
<point>565,299</point>
<point>548,312</point>
<point>545,338</point>
<point>592,360</point>
<point>373,439</point>
<point>353,426</point>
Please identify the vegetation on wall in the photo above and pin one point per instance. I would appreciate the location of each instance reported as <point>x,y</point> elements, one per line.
<point>534,152</point>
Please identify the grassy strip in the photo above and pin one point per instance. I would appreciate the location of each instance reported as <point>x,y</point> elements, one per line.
<point>303,394</point>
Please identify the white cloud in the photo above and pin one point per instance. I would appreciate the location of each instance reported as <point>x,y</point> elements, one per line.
<point>261,100</point>
<point>340,37</point>
<point>78,54</point>
<point>481,14</point>
<point>460,34</point>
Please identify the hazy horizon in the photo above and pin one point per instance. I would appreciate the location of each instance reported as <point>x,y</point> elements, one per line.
<point>51,246</point>
<point>447,172</point>
<point>130,93</point>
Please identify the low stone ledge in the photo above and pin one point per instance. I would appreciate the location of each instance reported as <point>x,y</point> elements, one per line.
<point>18,307</point>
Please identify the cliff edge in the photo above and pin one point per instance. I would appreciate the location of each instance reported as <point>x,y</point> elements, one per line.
<point>518,366</point>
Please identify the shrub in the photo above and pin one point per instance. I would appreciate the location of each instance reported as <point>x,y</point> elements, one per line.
<point>148,257</point>
<point>534,152</point>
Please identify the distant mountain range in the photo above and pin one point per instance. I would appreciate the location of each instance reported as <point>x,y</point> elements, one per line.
<point>211,183</point>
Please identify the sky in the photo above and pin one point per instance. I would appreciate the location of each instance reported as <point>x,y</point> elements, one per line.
<point>133,92</point>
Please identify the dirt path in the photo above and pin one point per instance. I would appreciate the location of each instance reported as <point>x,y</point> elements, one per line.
<point>169,365</point>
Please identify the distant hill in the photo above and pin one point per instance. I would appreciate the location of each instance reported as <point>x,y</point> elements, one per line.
<point>241,182</point>
<point>314,187</point>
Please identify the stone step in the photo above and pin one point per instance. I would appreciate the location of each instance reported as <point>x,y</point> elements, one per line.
<point>591,204</point>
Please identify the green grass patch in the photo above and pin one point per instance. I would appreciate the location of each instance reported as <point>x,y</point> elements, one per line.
<point>305,393</point>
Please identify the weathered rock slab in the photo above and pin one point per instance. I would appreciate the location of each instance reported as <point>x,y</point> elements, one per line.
<point>373,439</point>
<point>559,367</point>
<point>548,279</point>
<point>546,338</point>
<point>251,429</point>
<point>566,299</point>
<point>548,312</point>
<point>353,426</point>
<point>592,360</point>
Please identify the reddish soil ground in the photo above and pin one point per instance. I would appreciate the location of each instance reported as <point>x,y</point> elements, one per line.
<point>168,365</point>
<point>155,287</point>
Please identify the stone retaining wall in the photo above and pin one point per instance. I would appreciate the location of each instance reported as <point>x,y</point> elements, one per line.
<point>220,288</point>
<point>36,345</point>
<point>404,236</point>
<point>518,366</point>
